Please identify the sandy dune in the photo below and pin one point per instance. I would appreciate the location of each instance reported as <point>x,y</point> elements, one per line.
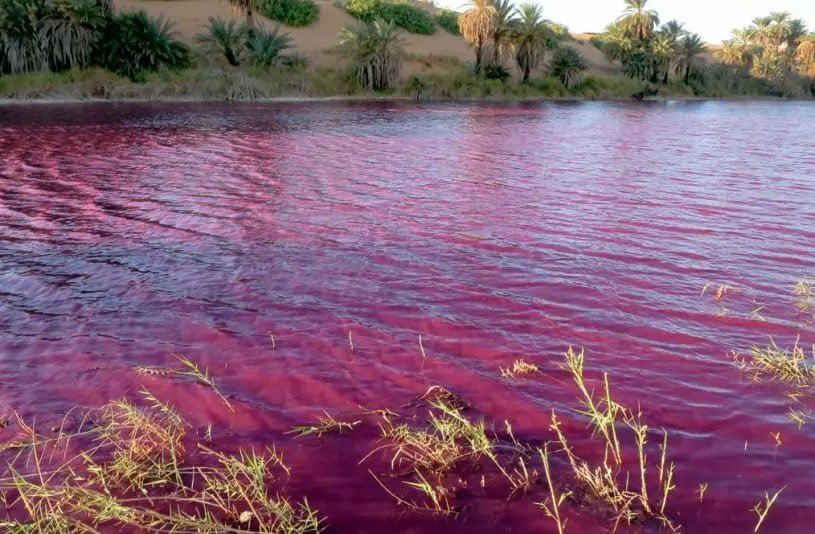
<point>317,40</point>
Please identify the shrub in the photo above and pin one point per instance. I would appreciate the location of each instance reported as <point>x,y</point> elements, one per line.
<point>409,17</point>
<point>227,38</point>
<point>264,46</point>
<point>376,51</point>
<point>448,19</point>
<point>496,72</point>
<point>296,13</point>
<point>136,43</point>
<point>71,31</point>
<point>568,66</point>
<point>20,23</point>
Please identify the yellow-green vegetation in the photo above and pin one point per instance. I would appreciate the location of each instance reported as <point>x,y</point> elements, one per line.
<point>126,465</point>
<point>519,368</point>
<point>139,465</point>
<point>295,13</point>
<point>790,365</point>
<point>775,48</point>
<point>190,369</point>
<point>401,13</point>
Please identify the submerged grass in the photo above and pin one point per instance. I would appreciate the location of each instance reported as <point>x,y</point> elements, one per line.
<point>133,472</point>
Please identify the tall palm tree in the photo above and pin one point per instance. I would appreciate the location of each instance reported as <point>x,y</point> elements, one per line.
<point>762,33</point>
<point>674,29</point>
<point>476,26</point>
<point>664,51</point>
<point>637,21</point>
<point>795,32</point>
<point>806,55</point>
<point>505,23</point>
<point>247,7</point>
<point>689,47</point>
<point>532,37</point>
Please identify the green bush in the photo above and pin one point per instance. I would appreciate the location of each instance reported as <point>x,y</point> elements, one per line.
<point>448,19</point>
<point>264,47</point>
<point>408,17</point>
<point>296,13</point>
<point>568,66</point>
<point>136,44</point>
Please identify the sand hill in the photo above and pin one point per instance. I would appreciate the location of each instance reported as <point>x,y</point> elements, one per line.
<point>317,40</point>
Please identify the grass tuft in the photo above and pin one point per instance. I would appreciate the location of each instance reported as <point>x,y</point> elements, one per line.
<point>519,368</point>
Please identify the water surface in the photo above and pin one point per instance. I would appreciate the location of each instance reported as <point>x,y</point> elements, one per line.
<point>129,233</point>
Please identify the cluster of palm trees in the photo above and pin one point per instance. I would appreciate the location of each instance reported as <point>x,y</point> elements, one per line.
<point>772,47</point>
<point>58,35</point>
<point>498,30</point>
<point>647,50</point>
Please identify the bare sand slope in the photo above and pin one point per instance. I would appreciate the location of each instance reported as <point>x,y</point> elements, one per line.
<point>316,41</point>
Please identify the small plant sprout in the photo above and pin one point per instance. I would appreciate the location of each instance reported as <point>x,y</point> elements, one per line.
<point>421,348</point>
<point>350,341</point>
<point>799,417</point>
<point>193,371</point>
<point>602,413</point>
<point>327,425</point>
<point>519,368</point>
<point>777,437</point>
<point>274,343</point>
<point>190,370</point>
<point>763,508</point>
<point>702,490</point>
<point>755,314</point>
<point>551,506</point>
<point>721,291</point>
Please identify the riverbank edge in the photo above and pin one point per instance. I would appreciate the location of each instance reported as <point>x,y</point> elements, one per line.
<point>390,98</point>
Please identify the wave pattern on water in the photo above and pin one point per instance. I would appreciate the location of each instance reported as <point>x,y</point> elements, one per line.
<point>130,233</point>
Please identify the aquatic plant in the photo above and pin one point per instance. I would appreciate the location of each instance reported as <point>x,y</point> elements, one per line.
<point>519,367</point>
<point>134,472</point>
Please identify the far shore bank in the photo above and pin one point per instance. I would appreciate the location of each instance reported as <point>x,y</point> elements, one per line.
<point>383,98</point>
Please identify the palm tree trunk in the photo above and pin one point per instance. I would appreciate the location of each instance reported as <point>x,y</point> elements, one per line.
<point>687,73</point>
<point>665,78</point>
<point>479,50</point>
<point>250,18</point>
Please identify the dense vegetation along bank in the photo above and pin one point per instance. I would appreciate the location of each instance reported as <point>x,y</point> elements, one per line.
<point>83,49</point>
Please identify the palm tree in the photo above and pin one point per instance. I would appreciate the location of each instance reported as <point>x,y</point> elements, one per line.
<point>762,33</point>
<point>674,29</point>
<point>637,21</point>
<point>795,32</point>
<point>568,65</point>
<point>689,47</point>
<point>664,51</point>
<point>376,50</point>
<point>532,37</point>
<point>227,38</point>
<point>476,26</point>
<point>806,55</point>
<point>71,31</point>
<point>247,7</point>
<point>503,31</point>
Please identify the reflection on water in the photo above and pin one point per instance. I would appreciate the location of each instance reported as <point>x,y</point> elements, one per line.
<point>129,233</point>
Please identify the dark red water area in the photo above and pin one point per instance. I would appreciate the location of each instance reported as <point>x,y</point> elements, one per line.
<point>129,233</point>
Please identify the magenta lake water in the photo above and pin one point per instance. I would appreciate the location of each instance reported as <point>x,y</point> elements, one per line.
<point>130,233</point>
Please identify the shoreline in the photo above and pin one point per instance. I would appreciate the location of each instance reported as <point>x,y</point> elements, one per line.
<point>393,98</point>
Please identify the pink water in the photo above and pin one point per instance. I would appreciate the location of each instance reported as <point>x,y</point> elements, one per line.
<point>130,233</point>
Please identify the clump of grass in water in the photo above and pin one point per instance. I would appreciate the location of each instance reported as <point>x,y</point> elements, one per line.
<point>601,483</point>
<point>519,368</point>
<point>440,446</point>
<point>805,291</point>
<point>134,475</point>
<point>190,370</point>
<point>785,365</point>
<point>327,424</point>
